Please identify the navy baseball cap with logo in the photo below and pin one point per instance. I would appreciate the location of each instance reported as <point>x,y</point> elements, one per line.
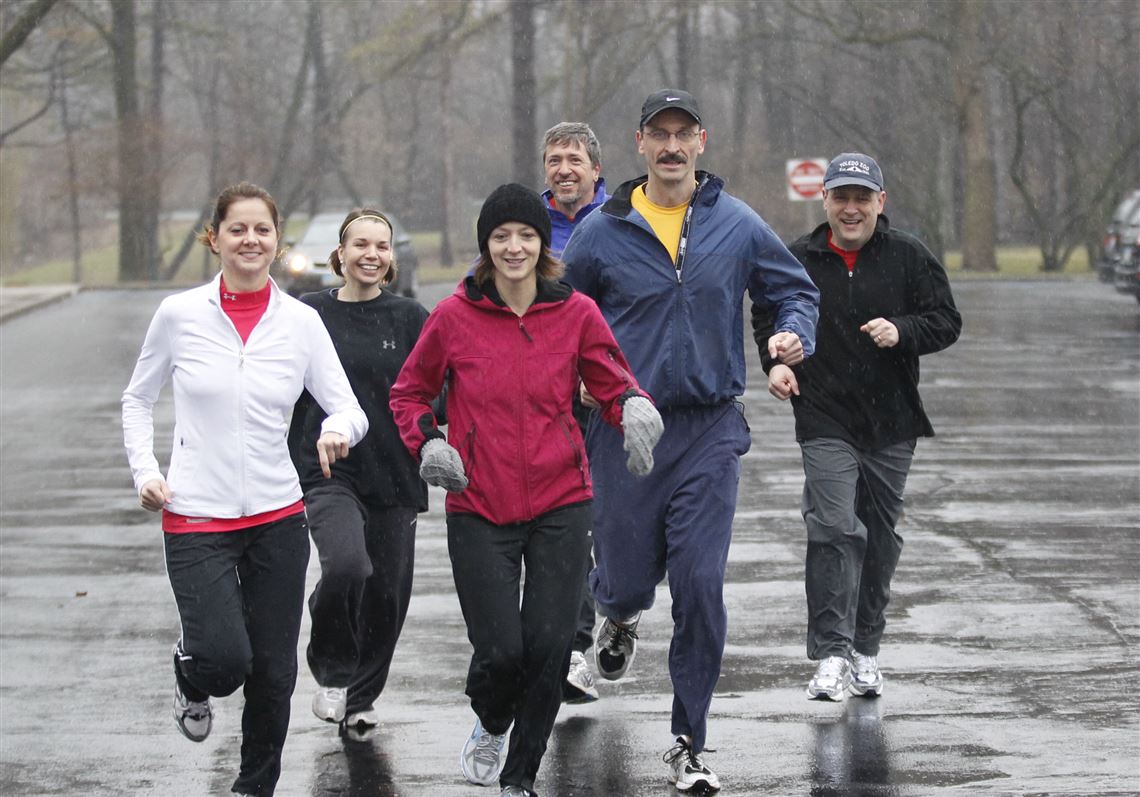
<point>659,101</point>
<point>853,168</point>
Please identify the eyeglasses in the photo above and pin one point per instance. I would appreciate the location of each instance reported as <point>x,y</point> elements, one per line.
<point>660,136</point>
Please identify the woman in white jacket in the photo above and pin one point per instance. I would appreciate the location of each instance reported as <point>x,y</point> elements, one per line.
<point>238,353</point>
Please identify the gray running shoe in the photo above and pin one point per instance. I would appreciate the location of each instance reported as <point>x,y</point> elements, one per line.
<point>194,719</point>
<point>579,681</point>
<point>481,761</point>
<point>866,680</point>
<point>516,791</point>
<point>360,726</point>
<point>369,718</point>
<point>330,703</point>
<point>831,680</point>
<point>615,646</point>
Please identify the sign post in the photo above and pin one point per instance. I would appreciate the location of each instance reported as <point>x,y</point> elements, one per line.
<point>805,178</point>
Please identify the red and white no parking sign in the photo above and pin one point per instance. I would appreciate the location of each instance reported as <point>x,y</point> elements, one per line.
<point>805,178</point>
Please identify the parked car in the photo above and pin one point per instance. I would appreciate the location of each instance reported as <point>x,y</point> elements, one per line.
<point>306,264</point>
<point>1110,250</point>
<point>1126,263</point>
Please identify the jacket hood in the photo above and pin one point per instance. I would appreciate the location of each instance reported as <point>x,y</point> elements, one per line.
<point>487,296</point>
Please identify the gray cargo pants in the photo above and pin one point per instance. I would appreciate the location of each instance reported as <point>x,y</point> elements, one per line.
<point>851,502</point>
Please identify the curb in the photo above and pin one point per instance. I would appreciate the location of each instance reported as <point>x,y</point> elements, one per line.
<point>17,301</point>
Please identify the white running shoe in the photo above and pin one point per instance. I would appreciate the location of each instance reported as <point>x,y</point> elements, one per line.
<point>687,771</point>
<point>482,759</point>
<point>831,680</point>
<point>360,726</point>
<point>367,718</point>
<point>580,680</point>
<point>866,679</point>
<point>330,703</point>
<point>615,645</point>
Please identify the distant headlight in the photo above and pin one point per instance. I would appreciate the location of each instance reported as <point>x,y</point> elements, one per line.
<point>298,264</point>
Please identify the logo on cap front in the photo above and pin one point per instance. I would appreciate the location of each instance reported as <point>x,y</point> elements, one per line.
<point>672,99</point>
<point>858,167</point>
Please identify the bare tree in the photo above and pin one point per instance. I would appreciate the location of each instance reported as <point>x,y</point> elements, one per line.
<point>524,136</point>
<point>992,122</point>
<point>957,29</point>
<point>684,42</point>
<point>979,227</point>
<point>151,186</point>
<point>60,79</point>
<point>137,243</point>
<point>1066,171</point>
<point>15,36</point>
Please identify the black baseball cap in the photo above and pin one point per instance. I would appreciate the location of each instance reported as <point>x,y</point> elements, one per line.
<point>853,168</point>
<point>659,101</point>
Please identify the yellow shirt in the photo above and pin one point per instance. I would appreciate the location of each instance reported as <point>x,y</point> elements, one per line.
<point>666,222</point>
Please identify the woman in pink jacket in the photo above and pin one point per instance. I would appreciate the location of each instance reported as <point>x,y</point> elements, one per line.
<point>513,343</point>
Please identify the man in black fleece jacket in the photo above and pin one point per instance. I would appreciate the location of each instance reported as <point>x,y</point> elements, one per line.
<point>884,301</point>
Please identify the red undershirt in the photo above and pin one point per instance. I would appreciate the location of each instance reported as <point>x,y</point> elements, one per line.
<point>847,255</point>
<point>244,310</point>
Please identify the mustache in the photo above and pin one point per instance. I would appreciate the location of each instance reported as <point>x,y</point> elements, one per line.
<point>672,157</point>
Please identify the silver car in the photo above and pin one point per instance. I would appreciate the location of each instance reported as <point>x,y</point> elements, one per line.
<point>306,264</point>
<point>1116,235</point>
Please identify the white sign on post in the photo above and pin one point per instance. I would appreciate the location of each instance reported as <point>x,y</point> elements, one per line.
<point>805,178</point>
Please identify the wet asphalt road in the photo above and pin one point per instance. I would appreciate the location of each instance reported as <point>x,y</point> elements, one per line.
<point>1011,653</point>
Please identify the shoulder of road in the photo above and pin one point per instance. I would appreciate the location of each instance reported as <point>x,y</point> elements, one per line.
<point>20,299</point>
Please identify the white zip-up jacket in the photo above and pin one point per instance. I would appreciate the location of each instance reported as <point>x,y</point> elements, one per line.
<point>232,402</point>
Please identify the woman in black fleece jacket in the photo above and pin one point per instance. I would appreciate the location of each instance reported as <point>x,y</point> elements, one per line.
<point>363,519</point>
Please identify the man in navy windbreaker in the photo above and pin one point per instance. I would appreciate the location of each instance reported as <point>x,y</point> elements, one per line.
<point>668,259</point>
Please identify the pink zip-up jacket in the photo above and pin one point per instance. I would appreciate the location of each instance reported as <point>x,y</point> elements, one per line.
<point>510,383</point>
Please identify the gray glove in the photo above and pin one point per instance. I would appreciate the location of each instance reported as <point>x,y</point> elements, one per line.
<point>642,426</point>
<point>440,465</point>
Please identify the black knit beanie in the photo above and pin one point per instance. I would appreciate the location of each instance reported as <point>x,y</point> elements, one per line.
<point>512,202</point>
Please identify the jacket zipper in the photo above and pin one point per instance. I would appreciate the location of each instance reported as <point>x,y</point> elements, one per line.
<point>243,494</point>
<point>469,447</point>
<point>574,447</point>
<point>682,250</point>
<point>522,425</point>
<point>241,430</point>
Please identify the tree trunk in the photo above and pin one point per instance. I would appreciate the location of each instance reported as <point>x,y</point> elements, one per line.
<point>979,228</point>
<point>411,161</point>
<point>321,104</point>
<point>152,146</point>
<point>743,87</point>
<point>524,135</point>
<point>446,255</point>
<point>684,43</point>
<point>283,160</point>
<point>132,211</point>
<point>214,164</point>
<point>72,181</point>
<point>14,37</point>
